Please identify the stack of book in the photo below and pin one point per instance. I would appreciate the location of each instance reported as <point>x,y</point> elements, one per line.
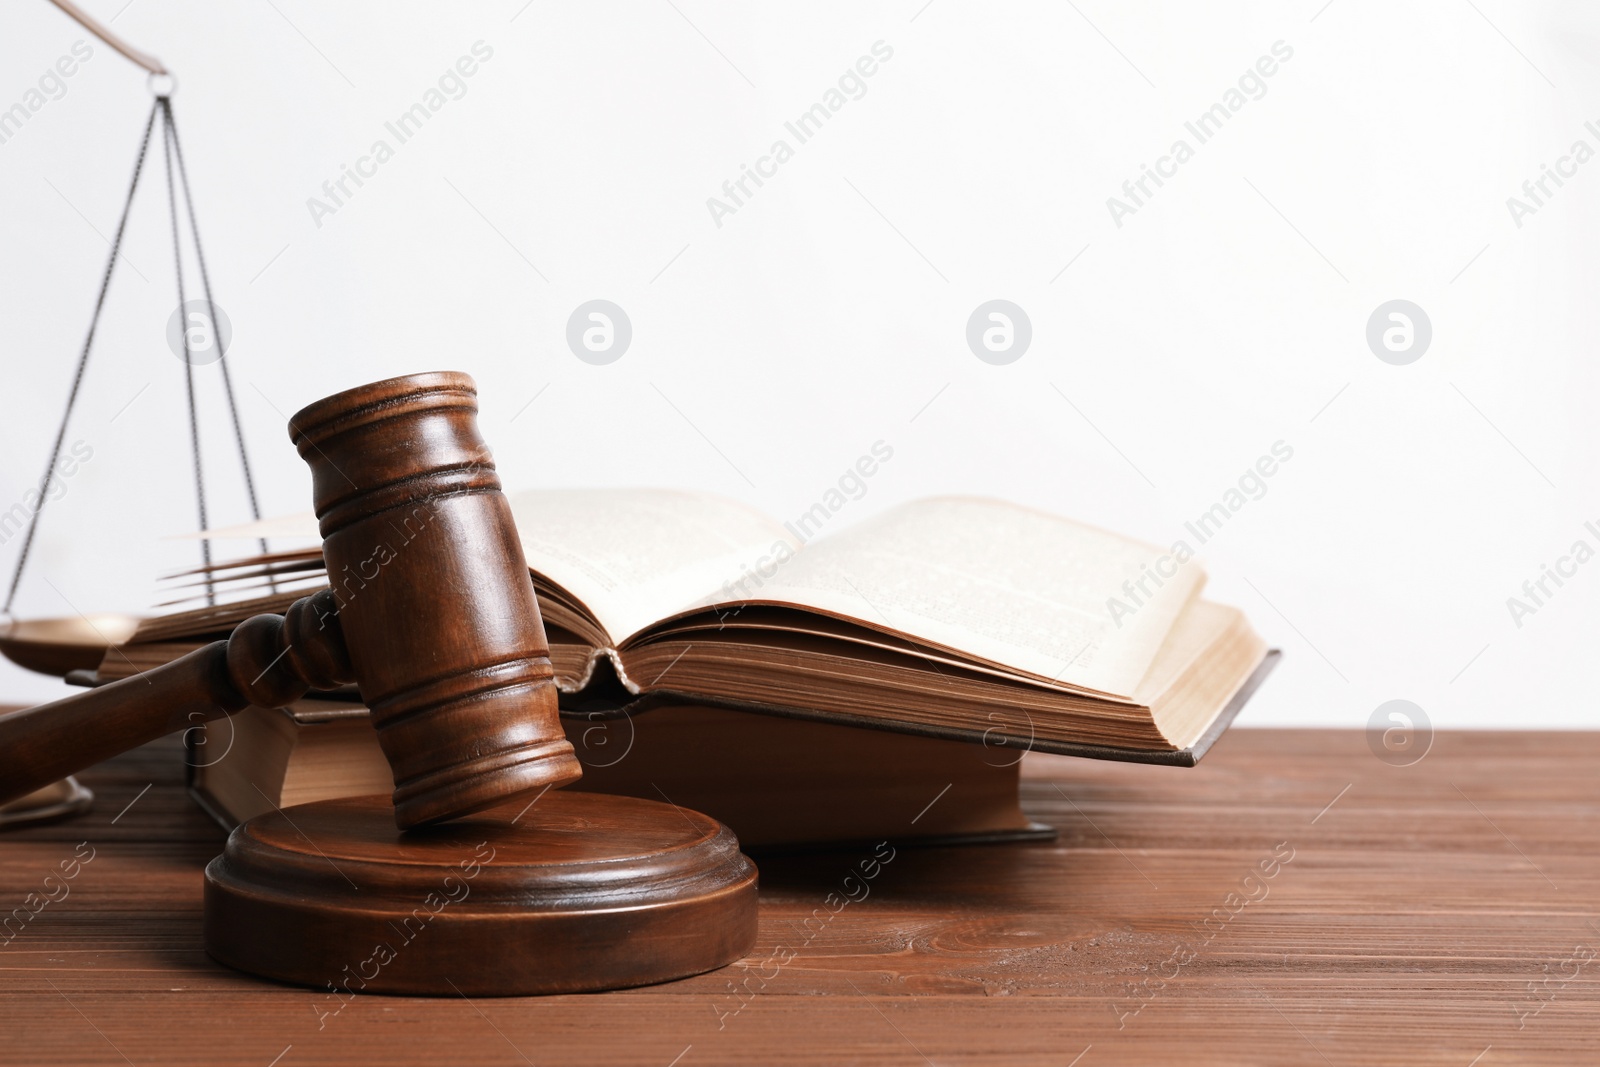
<point>883,681</point>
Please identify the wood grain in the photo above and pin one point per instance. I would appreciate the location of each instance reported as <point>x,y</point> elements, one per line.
<point>1419,905</point>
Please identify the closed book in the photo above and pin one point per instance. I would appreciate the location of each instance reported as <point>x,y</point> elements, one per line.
<point>779,782</point>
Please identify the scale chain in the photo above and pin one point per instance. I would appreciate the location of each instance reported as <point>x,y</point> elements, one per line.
<point>83,362</point>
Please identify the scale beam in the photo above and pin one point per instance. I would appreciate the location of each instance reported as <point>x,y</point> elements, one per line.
<point>93,25</point>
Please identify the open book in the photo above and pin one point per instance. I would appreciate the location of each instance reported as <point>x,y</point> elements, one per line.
<point>954,617</point>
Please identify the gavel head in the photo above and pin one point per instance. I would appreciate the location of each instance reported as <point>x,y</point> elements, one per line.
<point>435,603</point>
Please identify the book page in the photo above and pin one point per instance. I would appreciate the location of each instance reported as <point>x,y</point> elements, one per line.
<point>634,556</point>
<point>999,582</point>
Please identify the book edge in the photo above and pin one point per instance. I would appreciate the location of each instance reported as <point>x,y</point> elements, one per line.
<point>1183,757</point>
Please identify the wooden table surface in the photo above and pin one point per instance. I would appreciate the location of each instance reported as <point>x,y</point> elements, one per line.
<point>1291,900</point>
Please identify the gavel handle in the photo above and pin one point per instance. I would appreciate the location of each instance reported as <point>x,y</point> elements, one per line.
<point>269,661</point>
<point>46,743</point>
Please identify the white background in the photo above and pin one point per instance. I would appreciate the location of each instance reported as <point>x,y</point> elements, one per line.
<point>825,314</point>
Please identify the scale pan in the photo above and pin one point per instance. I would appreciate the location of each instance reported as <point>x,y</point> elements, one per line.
<point>58,646</point>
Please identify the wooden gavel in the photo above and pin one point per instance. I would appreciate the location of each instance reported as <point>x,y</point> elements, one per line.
<point>431,613</point>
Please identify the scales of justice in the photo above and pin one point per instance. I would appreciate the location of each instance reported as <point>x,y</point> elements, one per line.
<point>479,875</point>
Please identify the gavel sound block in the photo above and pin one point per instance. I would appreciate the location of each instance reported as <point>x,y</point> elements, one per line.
<point>480,879</point>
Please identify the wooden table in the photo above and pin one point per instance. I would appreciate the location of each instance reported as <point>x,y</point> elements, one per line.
<point>1291,900</point>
